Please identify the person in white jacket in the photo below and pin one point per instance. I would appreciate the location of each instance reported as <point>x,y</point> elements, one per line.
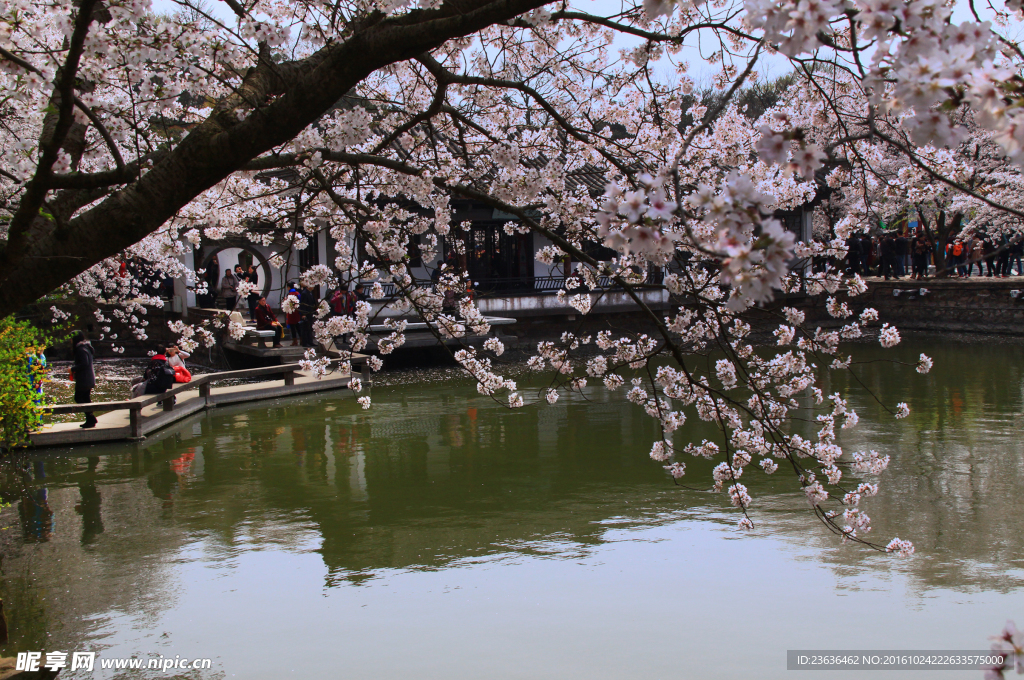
<point>176,357</point>
<point>176,360</point>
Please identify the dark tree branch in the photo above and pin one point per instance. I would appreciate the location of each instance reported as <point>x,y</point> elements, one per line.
<point>284,98</point>
<point>51,140</point>
<point>101,128</point>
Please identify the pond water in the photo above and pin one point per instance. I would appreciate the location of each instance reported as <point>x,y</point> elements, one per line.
<point>439,535</point>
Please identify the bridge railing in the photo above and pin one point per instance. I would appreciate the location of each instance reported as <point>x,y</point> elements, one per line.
<point>523,285</point>
<point>204,382</point>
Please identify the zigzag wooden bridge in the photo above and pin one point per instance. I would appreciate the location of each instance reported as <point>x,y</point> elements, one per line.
<point>135,418</point>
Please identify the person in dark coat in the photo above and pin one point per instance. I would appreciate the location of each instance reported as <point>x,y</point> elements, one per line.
<point>867,253</point>
<point>212,280</point>
<point>83,374</point>
<point>1016,250</point>
<point>307,307</point>
<point>253,277</point>
<point>159,376</point>
<point>900,256</point>
<point>853,255</point>
<point>988,250</point>
<point>920,251</point>
<point>888,248</point>
<point>266,320</point>
<point>1003,258</point>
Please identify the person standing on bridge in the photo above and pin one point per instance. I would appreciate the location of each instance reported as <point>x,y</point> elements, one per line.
<point>83,374</point>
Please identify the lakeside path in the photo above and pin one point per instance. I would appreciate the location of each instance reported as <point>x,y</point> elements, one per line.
<point>135,418</point>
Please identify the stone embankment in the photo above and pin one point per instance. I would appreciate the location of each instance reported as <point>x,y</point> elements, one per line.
<point>972,305</point>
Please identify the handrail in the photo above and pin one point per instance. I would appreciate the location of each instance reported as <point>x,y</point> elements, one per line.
<point>425,325</point>
<point>525,285</point>
<point>91,406</point>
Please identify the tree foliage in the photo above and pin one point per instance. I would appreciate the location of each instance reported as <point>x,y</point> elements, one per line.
<point>22,372</point>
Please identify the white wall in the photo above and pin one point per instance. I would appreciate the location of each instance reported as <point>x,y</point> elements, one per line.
<point>539,268</point>
<point>228,258</point>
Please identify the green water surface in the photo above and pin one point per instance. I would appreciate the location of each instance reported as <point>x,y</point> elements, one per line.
<point>439,535</point>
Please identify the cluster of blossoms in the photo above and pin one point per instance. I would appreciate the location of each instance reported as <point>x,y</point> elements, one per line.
<point>314,363</point>
<point>927,61</point>
<point>1011,643</point>
<point>754,265</point>
<point>290,304</point>
<point>639,221</point>
<point>328,329</point>
<point>487,381</point>
<point>191,336</point>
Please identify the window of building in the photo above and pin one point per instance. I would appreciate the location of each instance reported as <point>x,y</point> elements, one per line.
<point>310,256</point>
<point>494,258</point>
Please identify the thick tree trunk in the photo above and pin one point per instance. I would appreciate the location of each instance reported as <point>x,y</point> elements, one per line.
<point>56,251</point>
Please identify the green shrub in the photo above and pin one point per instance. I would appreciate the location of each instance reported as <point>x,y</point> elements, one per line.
<point>22,371</point>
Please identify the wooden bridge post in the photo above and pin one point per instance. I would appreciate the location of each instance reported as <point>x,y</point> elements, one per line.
<point>289,378</point>
<point>135,423</point>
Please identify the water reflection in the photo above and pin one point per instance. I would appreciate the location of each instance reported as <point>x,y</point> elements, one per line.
<point>436,479</point>
<point>958,464</point>
<point>34,507</point>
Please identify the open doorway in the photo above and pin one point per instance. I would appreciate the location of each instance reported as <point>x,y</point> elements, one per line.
<point>217,260</point>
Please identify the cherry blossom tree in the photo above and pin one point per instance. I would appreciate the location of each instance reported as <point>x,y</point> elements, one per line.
<point>130,133</point>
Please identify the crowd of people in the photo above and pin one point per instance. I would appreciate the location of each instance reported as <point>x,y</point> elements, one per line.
<point>166,365</point>
<point>222,290</point>
<point>299,320</point>
<point>891,255</point>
